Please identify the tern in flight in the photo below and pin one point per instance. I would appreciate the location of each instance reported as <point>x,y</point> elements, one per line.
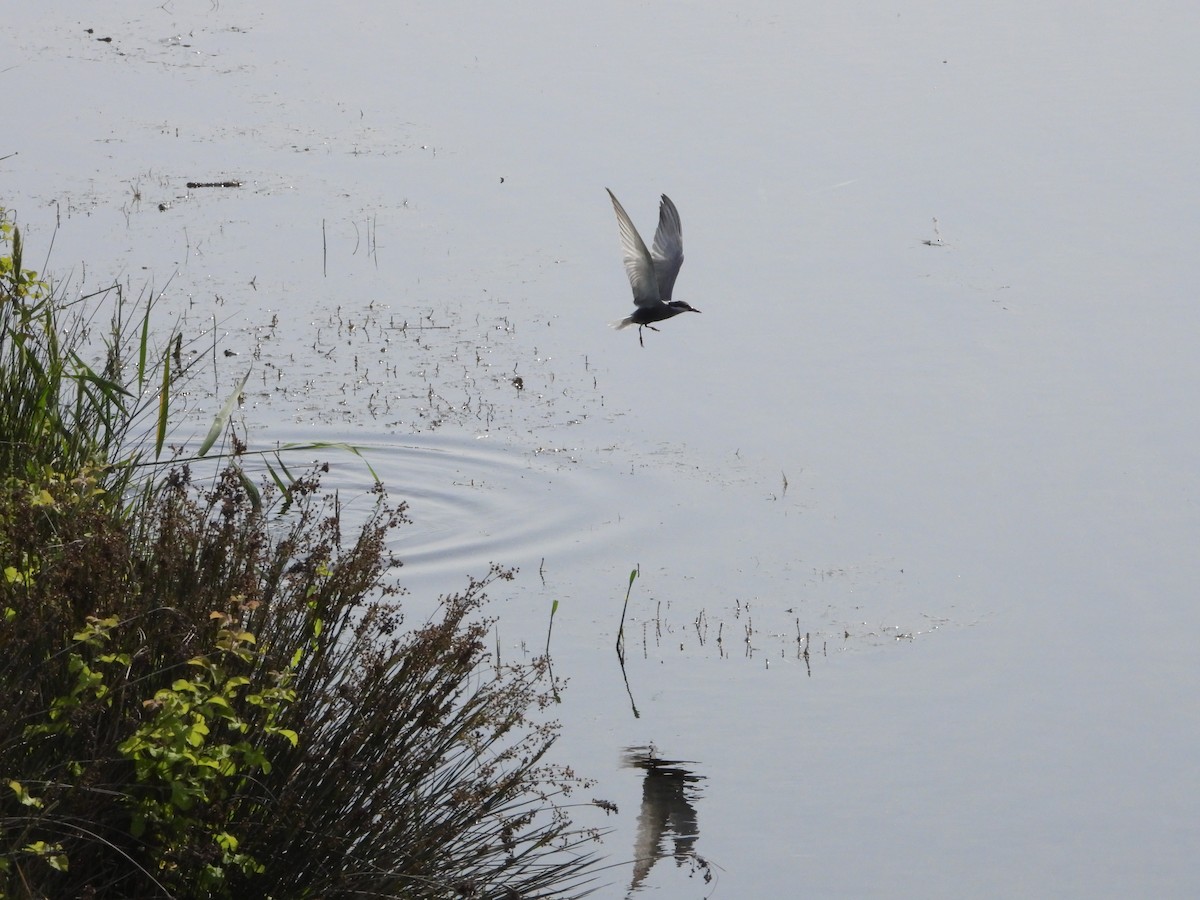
<point>652,272</point>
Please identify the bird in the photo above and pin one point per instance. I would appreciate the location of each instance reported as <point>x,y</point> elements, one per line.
<point>652,273</point>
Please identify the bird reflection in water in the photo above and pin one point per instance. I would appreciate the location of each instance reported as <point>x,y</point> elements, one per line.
<point>667,814</point>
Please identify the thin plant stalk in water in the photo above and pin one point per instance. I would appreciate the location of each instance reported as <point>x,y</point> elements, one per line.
<point>633,573</point>
<point>549,666</point>
<point>553,610</point>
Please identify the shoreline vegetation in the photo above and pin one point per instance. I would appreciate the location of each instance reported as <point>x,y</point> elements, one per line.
<point>208,687</point>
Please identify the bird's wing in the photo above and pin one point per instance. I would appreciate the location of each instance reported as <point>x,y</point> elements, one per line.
<point>638,264</point>
<point>668,248</point>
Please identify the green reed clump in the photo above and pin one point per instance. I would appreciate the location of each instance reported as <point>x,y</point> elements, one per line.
<point>58,412</point>
<point>208,689</point>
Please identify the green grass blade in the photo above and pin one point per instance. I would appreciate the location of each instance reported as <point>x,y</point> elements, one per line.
<point>222,417</point>
<point>143,343</point>
<point>251,489</point>
<point>284,486</point>
<point>160,431</point>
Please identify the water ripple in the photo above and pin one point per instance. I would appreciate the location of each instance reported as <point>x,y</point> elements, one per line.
<point>473,502</point>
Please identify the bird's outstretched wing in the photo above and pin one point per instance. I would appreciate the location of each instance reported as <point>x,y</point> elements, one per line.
<point>638,264</point>
<point>668,248</point>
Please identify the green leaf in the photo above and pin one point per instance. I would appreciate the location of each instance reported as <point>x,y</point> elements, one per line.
<point>23,796</point>
<point>52,853</point>
<point>226,841</point>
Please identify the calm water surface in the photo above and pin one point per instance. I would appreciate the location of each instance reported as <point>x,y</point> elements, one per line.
<point>914,501</point>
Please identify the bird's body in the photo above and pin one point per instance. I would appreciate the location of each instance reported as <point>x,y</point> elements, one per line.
<point>652,273</point>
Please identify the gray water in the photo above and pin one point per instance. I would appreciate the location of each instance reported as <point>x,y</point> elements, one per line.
<point>936,425</point>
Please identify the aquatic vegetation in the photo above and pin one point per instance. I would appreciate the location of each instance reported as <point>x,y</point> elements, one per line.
<point>208,687</point>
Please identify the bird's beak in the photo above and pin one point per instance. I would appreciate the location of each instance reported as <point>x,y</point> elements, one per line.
<point>696,310</point>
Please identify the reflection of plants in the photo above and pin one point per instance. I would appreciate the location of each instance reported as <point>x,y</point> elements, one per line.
<point>633,573</point>
<point>206,691</point>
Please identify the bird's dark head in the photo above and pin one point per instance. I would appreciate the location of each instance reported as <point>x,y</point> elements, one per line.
<point>681,307</point>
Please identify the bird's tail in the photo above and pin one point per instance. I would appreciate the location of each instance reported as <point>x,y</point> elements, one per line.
<point>622,323</point>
